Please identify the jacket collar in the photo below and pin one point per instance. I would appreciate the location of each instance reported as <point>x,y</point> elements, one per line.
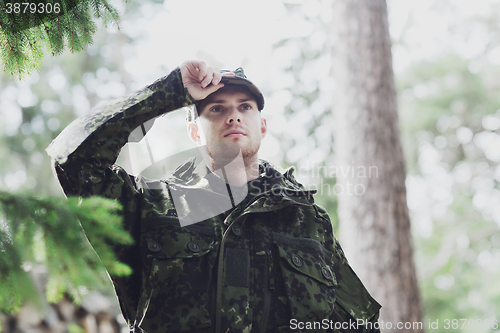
<point>189,176</point>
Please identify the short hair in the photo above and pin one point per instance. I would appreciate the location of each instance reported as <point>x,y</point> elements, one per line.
<point>191,113</point>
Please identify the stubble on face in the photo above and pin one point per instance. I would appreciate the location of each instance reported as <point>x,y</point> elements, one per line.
<point>222,153</point>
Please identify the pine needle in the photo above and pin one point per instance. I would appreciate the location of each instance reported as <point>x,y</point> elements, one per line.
<point>48,231</point>
<point>23,36</point>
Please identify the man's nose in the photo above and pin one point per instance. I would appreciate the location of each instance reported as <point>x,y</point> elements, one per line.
<point>234,116</point>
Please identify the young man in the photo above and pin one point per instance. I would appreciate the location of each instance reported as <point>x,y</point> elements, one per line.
<point>208,258</point>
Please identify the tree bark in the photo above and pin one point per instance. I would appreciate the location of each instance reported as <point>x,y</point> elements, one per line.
<point>374,222</point>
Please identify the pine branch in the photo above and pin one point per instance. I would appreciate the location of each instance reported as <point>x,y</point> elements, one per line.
<point>47,231</point>
<point>72,28</point>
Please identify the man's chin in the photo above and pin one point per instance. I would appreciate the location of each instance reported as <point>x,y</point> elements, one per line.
<point>236,140</point>
<point>223,151</point>
<point>227,150</point>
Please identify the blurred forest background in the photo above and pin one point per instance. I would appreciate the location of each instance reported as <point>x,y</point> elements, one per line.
<point>447,66</point>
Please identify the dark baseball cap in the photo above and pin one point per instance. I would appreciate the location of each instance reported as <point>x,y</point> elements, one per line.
<point>239,79</point>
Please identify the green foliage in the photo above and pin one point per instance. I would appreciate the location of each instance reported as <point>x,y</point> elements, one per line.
<point>443,93</point>
<point>74,328</point>
<point>47,231</point>
<point>441,99</point>
<point>23,34</point>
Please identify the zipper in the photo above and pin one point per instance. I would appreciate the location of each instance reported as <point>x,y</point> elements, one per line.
<point>220,271</point>
<point>269,285</point>
<point>220,268</point>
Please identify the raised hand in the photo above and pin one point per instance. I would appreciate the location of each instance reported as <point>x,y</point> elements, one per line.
<point>200,79</point>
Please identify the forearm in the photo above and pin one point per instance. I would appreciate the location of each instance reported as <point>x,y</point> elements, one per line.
<point>91,143</point>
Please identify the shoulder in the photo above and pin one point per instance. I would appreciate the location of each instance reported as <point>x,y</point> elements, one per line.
<point>280,176</point>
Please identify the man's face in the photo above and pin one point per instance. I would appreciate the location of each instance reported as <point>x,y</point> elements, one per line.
<point>230,115</point>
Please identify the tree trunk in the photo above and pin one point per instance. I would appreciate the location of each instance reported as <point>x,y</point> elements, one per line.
<point>374,221</point>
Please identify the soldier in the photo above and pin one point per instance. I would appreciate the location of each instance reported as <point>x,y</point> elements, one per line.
<point>230,245</point>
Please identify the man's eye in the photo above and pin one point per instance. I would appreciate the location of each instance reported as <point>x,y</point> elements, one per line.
<point>216,109</point>
<point>246,106</point>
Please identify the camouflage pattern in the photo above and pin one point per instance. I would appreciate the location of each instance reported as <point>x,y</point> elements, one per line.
<point>271,259</point>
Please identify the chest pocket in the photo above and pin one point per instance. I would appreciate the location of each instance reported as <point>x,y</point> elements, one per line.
<point>308,279</point>
<point>178,263</point>
<point>164,238</point>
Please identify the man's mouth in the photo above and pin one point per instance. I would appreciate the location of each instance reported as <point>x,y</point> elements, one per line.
<point>234,133</point>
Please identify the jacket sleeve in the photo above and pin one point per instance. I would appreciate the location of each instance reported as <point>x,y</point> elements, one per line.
<point>91,143</point>
<point>83,158</point>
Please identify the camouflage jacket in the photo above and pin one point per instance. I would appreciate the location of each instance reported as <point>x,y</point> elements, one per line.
<point>271,264</point>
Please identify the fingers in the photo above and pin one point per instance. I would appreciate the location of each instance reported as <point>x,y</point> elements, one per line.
<point>200,79</point>
<point>202,70</point>
<point>198,71</point>
<point>205,73</point>
<point>208,76</point>
<point>213,88</point>
<point>217,77</point>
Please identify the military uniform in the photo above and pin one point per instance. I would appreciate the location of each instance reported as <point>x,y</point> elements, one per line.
<point>269,264</point>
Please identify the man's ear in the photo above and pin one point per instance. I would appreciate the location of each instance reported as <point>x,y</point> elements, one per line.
<point>263,127</point>
<point>194,133</point>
